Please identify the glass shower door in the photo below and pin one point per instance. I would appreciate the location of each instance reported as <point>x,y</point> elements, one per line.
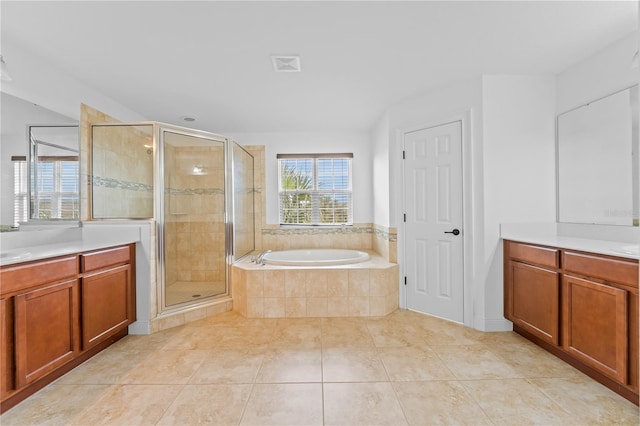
<point>193,210</point>
<point>243,202</point>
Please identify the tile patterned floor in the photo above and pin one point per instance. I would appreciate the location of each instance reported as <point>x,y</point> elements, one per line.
<point>405,368</point>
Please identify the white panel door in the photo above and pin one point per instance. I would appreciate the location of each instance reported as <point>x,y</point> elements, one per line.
<point>433,224</point>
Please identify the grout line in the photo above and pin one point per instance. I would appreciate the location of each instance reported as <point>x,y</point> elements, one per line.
<point>171,403</point>
<point>246,403</point>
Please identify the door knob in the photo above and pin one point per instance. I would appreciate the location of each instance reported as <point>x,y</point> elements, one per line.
<point>454,232</point>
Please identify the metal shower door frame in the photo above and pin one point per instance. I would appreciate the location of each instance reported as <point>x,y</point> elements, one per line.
<point>159,209</point>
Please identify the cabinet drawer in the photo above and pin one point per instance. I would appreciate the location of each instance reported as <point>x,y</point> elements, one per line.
<point>103,258</point>
<point>542,256</point>
<point>35,273</point>
<point>613,270</point>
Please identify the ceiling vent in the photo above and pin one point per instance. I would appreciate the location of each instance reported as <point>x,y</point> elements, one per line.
<point>286,63</point>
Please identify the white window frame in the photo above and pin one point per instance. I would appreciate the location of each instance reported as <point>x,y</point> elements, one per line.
<point>315,192</point>
<point>20,183</point>
<point>21,201</point>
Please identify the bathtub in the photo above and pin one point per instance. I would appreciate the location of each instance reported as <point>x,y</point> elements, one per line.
<point>369,287</point>
<point>315,257</point>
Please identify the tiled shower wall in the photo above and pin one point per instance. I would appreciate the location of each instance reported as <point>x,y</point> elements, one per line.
<point>122,172</point>
<point>120,168</point>
<point>244,196</point>
<point>257,151</point>
<point>194,214</point>
<point>88,116</point>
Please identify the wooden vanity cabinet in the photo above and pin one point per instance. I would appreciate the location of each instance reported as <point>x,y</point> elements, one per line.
<point>6,348</point>
<point>533,294</point>
<point>107,296</point>
<point>582,307</point>
<point>634,341</point>
<point>57,313</point>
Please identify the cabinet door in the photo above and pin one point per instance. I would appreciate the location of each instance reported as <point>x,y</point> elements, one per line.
<point>634,341</point>
<point>6,348</point>
<point>106,297</point>
<point>46,328</point>
<point>535,301</point>
<point>595,325</point>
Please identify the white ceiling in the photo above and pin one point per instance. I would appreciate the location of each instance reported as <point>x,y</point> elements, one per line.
<point>211,60</point>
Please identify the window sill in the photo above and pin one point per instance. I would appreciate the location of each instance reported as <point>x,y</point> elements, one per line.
<point>281,226</point>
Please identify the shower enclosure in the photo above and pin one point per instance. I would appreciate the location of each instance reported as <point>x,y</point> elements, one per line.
<point>199,188</point>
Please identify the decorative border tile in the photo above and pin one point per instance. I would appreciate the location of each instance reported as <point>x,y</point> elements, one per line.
<point>101,182</point>
<point>194,191</point>
<point>355,229</point>
<point>386,235</point>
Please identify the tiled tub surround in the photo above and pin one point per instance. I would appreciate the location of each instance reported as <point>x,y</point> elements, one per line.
<point>359,236</point>
<point>385,242</point>
<point>359,290</point>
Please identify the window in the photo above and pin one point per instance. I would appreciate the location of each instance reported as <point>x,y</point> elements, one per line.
<point>315,189</point>
<point>20,192</point>
<point>54,192</point>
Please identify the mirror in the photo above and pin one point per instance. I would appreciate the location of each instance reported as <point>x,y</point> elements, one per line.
<point>23,121</point>
<point>53,172</point>
<point>597,163</point>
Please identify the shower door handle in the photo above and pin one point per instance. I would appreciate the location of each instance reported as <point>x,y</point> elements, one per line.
<point>454,232</point>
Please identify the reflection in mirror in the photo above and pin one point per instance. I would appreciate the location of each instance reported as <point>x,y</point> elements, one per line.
<point>17,116</point>
<point>597,168</point>
<point>121,178</point>
<point>53,173</point>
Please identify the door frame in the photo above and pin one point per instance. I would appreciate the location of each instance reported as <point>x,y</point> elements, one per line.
<point>468,207</point>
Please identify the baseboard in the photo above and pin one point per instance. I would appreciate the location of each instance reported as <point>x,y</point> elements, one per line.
<point>498,324</point>
<point>140,327</point>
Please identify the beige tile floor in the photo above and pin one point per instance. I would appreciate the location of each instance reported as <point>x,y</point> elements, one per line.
<point>405,368</point>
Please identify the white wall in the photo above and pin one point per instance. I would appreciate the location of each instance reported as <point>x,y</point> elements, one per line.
<point>519,167</point>
<point>316,142</point>
<point>37,81</point>
<point>380,171</point>
<point>599,75</point>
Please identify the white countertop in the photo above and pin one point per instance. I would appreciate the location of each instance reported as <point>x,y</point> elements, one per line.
<point>26,246</point>
<point>45,251</point>
<point>542,235</point>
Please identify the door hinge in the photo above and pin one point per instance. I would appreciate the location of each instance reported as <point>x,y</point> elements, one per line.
<point>404,215</point>
<point>405,280</point>
<point>403,155</point>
